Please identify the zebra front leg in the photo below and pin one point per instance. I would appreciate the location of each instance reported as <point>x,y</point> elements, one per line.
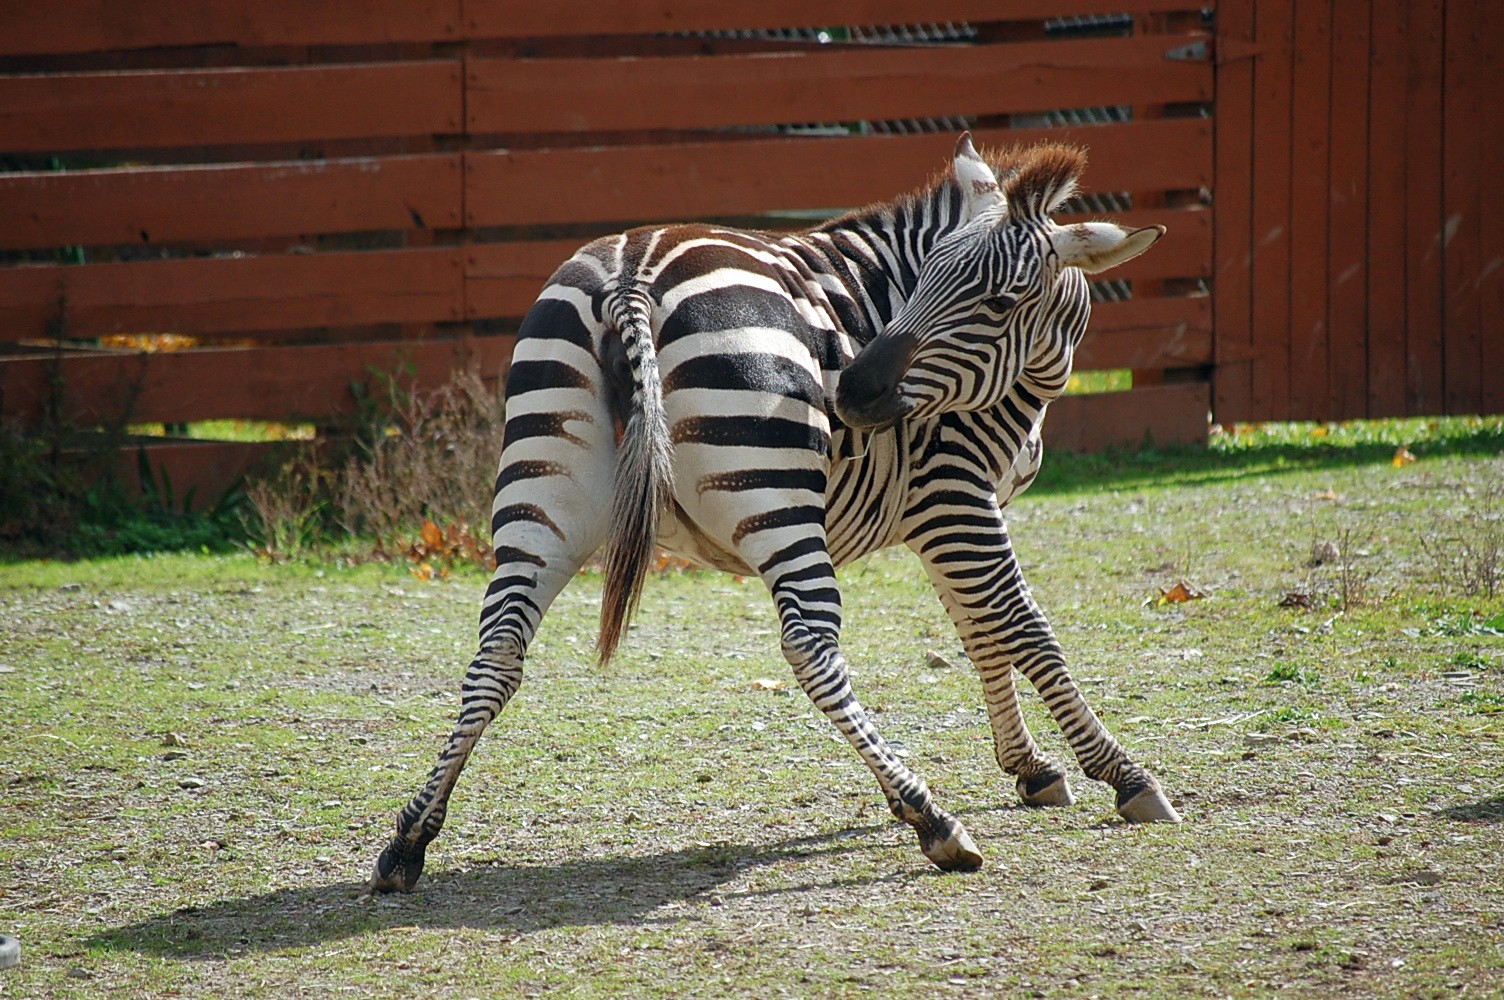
<point>821,671</point>
<point>1039,780</point>
<point>983,588</point>
<point>1039,658</point>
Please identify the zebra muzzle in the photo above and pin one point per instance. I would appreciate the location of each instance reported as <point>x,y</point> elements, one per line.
<point>867,394</point>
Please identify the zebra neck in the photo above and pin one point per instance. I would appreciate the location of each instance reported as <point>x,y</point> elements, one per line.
<point>877,252</point>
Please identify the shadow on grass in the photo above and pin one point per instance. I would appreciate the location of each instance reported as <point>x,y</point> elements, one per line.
<point>1489,810</point>
<point>501,899</point>
<point>1069,473</point>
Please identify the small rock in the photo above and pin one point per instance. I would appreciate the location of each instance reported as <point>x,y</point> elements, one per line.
<point>1098,884</point>
<point>69,588</point>
<point>10,951</point>
<point>1260,739</point>
<point>6,668</point>
<point>1325,552</point>
<point>175,755</point>
<point>935,661</point>
<point>191,783</point>
<point>173,740</point>
<point>1425,876</point>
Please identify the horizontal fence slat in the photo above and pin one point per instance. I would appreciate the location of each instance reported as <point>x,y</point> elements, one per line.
<point>503,279</point>
<point>695,180</point>
<point>231,202</point>
<point>861,83</point>
<point>235,294</point>
<point>139,109</point>
<point>525,18</point>
<point>1148,333</point>
<point>47,27</point>
<point>254,383</point>
<point>1173,414</point>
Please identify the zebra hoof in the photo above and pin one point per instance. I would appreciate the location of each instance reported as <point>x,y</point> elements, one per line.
<point>1045,790</point>
<point>398,868</point>
<point>1148,806</point>
<point>956,853</point>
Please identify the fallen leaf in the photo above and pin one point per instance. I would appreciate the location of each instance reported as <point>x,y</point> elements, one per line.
<point>1327,494</point>
<point>432,536</point>
<point>1402,457</point>
<point>1179,594</point>
<point>768,684</point>
<point>1295,599</point>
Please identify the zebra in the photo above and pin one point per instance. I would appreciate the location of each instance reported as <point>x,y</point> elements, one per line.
<point>779,404</point>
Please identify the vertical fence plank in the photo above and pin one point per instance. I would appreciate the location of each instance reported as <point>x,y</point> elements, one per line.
<point>1232,386</point>
<point>1424,222</point>
<point>1309,199</point>
<point>1274,31</point>
<point>1347,255</point>
<point>1386,215</point>
<point>1462,193</point>
<point>1489,51</point>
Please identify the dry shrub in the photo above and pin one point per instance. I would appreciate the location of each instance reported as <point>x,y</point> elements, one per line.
<point>287,508</point>
<point>1467,552</point>
<point>436,461</point>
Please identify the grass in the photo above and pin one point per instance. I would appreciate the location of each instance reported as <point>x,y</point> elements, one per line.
<point>205,752</point>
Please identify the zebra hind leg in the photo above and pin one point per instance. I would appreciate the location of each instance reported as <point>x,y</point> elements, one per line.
<point>520,592</point>
<point>821,670</point>
<point>493,677</point>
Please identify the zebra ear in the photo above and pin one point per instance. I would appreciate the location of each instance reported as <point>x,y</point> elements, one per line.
<point>1096,246</point>
<point>979,187</point>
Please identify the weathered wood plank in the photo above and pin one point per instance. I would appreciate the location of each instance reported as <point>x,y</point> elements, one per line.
<point>1232,378</point>
<point>79,111</point>
<point>524,18</point>
<point>252,383</point>
<point>695,180</point>
<point>1347,261</point>
<point>1172,414</point>
<point>45,27</point>
<point>586,95</point>
<point>1310,193</point>
<point>237,201</point>
<point>212,296</point>
<point>1424,222</point>
<point>1386,210</point>
<point>1463,193</point>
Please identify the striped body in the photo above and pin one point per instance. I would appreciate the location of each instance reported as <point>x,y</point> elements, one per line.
<point>777,405</point>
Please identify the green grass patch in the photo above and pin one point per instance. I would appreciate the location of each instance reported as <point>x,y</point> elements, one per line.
<point>204,754</point>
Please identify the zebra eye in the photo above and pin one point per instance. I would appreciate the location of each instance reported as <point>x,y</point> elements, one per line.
<point>1001,302</point>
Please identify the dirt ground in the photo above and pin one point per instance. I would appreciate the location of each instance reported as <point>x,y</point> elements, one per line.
<point>203,755</point>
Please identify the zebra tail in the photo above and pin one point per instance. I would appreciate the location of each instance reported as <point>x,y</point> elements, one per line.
<point>643,480</point>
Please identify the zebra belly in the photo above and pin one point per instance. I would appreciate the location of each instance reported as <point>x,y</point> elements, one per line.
<point>679,536</point>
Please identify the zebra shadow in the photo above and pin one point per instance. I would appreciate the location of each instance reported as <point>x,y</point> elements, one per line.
<point>1489,810</point>
<point>504,899</point>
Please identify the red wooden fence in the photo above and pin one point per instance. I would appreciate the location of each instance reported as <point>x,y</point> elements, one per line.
<point>1359,246</point>
<point>315,190</point>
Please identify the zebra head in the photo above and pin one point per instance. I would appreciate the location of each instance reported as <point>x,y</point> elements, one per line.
<point>993,291</point>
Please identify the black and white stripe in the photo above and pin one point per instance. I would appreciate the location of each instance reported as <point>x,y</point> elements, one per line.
<point>780,404</point>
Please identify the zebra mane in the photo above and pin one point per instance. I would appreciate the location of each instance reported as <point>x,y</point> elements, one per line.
<point>1040,177</point>
<point>1035,180</point>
